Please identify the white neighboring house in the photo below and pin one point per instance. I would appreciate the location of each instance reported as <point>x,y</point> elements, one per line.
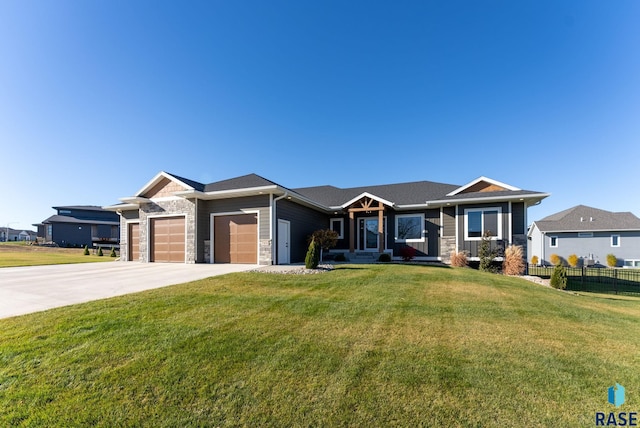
<point>16,235</point>
<point>589,233</point>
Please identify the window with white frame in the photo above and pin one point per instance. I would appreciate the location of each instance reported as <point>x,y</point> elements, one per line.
<point>553,241</point>
<point>615,240</point>
<point>337,225</point>
<point>631,263</point>
<point>409,228</point>
<point>480,220</point>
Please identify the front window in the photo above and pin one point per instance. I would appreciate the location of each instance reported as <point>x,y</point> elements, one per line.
<point>615,240</point>
<point>481,220</point>
<point>554,241</point>
<point>409,228</point>
<point>337,225</point>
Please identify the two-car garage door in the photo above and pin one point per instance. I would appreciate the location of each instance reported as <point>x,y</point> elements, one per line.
<point>235,239</point>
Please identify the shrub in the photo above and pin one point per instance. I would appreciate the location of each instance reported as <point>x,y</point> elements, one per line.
<point>313,255</point>
<point>555,259</point>
<point>513,263</point>
<point>340,258</point>
<point>384,257</point>
<point>86,250</point>
<point>407,253</point>
<point>100,253</point>
<point>113,252</point>
<point>559,277</point>
<point>612,260</point>
<point>535,260</point>
<point>485,253</point>
<point>459,259</point>
<point>572,260</point>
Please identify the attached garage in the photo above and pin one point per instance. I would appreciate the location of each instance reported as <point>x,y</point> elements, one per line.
<point>167,239</point>
<point>235,238</point>
<point>134,242</point>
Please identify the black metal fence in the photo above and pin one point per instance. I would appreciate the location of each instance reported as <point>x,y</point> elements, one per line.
<point>598,280</point>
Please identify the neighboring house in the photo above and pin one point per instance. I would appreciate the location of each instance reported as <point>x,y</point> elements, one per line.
<point>81,225</point>
<point>589,233</point>
<point>16,234</point>
<point>250,219</point>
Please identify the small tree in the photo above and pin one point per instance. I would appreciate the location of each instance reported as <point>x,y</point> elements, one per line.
<point>612,260</point>
<point>559,277</point>
<point>555,259</point>
<point>513,263</point>
<point>535,260</point>
<point>485,253</point>
<point>86,250</point>
<point>572,260</point>
<point>313,255</point>
<point>113,252</point>
<point>326,239</point>
<point>100,253</point>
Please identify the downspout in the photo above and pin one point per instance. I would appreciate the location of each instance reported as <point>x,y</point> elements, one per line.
<point>274,223</point>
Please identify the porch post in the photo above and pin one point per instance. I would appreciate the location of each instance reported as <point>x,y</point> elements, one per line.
<point>380,227</point>
<point>352,232</point>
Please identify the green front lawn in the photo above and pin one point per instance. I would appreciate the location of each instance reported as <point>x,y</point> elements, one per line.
<point>376,345</point>
<point>14,254</point>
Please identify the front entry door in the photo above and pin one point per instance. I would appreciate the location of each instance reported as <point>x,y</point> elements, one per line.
<point>284,236</point>
<point>371,234</point>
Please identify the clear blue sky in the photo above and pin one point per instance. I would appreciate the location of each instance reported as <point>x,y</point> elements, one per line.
<point>96,97</point>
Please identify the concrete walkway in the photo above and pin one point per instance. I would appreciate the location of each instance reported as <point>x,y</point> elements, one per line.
<point>25,290</point>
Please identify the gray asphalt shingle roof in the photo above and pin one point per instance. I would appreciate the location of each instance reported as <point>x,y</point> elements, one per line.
<point>585,218</point>
<point>411,193</point>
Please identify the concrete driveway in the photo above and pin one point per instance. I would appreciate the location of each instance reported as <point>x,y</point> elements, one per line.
<point>31,289</point>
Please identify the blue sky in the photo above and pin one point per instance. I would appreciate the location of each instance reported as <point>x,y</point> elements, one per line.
<point>96,97</point>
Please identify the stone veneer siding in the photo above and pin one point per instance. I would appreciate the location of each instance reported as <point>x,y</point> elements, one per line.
<point>168,208</point>
<point>447,245</point>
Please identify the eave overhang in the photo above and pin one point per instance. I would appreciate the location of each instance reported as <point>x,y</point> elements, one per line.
<point>530,198</point>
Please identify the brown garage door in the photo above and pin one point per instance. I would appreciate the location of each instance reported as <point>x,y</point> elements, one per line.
<point>235,238</point>
<point>167,239</point>
<point>134,242</point>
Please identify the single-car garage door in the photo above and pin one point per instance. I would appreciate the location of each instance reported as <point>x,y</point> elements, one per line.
<point>134,242</point>
<point>167,239</point>
<point>235,238</point>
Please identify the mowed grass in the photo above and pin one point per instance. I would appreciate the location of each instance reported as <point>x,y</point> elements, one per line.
<point>378,345</point>
<point>21,254</point>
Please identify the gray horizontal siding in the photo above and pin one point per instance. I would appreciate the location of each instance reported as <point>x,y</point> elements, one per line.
<point>304,221</point>
<point>598,246</point>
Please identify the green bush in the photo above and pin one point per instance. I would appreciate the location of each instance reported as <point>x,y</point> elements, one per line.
<point>485,254</point>
<point>313,255</point>
<point>113,252</point>
<point>559,277</point>
<point>612,260</point>
<point>340,258</point>
<point>100,253</point>
<point>384,257</point>
<point>86,250</point>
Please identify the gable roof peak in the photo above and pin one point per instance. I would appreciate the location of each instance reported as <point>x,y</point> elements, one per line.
<point>483,184</point>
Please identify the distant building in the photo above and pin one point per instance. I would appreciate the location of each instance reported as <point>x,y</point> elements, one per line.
<point>9,234</point>
<point>81,225</point>
<point>589,233</point>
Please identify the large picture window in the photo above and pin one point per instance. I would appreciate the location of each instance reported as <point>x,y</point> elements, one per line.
<point>480,220</point>
<point>409,228</point>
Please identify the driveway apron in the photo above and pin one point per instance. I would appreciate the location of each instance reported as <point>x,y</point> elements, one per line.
<point>25,290</point>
